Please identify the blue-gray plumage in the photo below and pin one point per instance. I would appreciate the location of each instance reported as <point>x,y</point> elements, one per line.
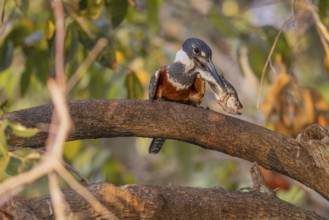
<point>184,79</point>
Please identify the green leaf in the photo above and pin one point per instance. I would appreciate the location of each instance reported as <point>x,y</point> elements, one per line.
<point>89,35</point>
<point>3,104</point>
<point>225,26</point>
<point>4,161</point>
<point>6,54</point>
<point>22,131</point>
<point>26,77</point>
<point>118,11</point>
<point>152,14</point>
<point>23,5</point>
<point>50,27</point>
<point>41,65</point>
<point>3,138</point>
<point>107,57</point>
<point>257,52</point>
<point>282,47</point>
<point>117,88</point>
<point>73,48</point>
<point>22,28</point>
<point>115,172</point>
<point>25,166</point>
<point>100,79</point>
<point>134,86</point>
<point>91,8</point>
<point>323,7</point>
<point>12,168</point>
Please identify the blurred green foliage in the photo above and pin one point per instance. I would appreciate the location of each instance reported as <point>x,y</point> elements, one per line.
<point>142,35</point>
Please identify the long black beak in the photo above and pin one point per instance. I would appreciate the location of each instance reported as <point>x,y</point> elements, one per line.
<point>212,70</point>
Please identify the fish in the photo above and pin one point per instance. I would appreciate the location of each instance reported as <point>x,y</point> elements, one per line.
<point>228,99</point>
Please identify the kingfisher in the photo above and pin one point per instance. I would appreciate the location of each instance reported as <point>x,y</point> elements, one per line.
<point>184,79</point>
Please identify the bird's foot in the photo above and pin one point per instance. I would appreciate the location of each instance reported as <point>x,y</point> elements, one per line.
<point>204,107</point>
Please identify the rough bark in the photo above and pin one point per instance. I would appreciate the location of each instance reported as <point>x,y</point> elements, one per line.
<point>156,202</point>
<point>304,159</point>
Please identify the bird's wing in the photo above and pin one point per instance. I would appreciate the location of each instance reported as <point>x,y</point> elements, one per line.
<point>154,83</point>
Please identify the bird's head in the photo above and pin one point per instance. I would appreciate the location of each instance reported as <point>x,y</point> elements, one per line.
<point>197,55</point>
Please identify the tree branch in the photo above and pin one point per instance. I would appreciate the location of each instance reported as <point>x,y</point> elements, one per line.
<point>300,160</point>
<point>156,202</point>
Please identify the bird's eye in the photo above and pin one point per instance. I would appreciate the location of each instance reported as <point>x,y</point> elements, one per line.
<point>196,50</point>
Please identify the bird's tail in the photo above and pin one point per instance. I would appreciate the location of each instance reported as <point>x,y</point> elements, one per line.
<point>156,145</point>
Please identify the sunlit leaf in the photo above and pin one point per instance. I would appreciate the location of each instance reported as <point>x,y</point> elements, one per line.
<point>71,149</point>
<point>119,57</point>
<point>143,76</point>
<point>50,27</point>
<point>23,131</point>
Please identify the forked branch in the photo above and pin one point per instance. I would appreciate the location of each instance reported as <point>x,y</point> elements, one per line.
<point>303,160</point>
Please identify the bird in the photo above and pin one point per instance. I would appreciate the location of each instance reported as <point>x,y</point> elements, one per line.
<point>184,79</point>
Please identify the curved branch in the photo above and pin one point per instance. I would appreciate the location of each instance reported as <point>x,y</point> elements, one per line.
<point>156,202</point>
<point>299,160</point>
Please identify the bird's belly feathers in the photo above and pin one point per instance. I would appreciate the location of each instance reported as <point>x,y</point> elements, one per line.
<point>171,91</point>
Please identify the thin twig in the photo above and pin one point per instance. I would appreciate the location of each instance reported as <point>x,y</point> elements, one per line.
<point>55,144</point>
<point>57,196</point>
<point>14,185</point>
<point>101,43</point>
<point>40,151</point>
<point>88,196</point>
<point>269,59</point>
<point>59,37</point>
<point>65,123</point>
<point>321,28</point>
<point>293,2</point>
<point>82,179</point>
<point>2,15</point>
<point>258,180</point>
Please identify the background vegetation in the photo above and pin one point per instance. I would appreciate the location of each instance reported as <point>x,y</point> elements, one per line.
<point>145,34</point>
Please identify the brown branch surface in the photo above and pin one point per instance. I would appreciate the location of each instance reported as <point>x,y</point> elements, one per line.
<point>303,160</point>
<point>156,202</point>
